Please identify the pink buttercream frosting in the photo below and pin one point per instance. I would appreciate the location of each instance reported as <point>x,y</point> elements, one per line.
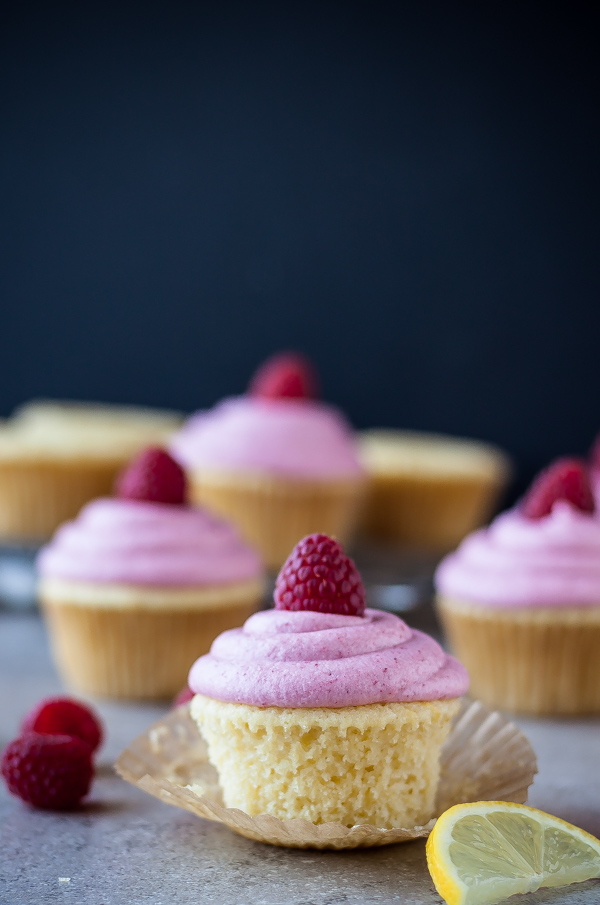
<point>296,438</point>
<point>132,542</point>
<point>517,561</point>
<point>308,659</point>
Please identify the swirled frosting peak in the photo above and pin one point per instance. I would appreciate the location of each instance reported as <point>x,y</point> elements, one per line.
<point>518,561</point>
<point>308,659</point>
<point>288,437</point>
<point>140,543</point>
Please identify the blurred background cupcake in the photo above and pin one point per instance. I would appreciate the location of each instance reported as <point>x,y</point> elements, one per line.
<point>520,600</point>
<point>276,461</point>
<point>55,456</point>
<point>139,583</point>
<point>427,490</point>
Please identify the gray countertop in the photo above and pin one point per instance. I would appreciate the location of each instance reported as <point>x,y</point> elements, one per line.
<point>125,848</point>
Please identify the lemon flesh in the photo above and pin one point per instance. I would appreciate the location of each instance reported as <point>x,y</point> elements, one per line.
<point>482,853</point>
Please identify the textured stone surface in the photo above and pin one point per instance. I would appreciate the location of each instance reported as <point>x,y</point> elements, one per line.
<point>126,848</point>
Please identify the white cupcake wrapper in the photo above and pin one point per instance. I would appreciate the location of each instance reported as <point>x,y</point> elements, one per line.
<point>485,758</point>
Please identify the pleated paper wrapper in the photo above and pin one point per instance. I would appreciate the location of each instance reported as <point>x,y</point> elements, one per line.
<point>485,758</point>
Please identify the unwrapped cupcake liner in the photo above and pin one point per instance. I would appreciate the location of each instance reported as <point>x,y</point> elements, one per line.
<point>538,660</point>
<point>485,757</point>
<point>273,514</point>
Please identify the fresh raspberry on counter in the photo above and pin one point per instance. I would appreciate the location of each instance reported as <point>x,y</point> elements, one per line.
<point>64,716</point>
<point>318,575</point>
<point>48,771</point>
<point>287,375</point>
<point>565,479</point>
<point>154,477</point>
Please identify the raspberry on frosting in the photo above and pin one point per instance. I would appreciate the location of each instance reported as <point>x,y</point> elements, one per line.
<point>64,716</point>
<point>154,477</point>
<point>287,375</point>
<point>319,576</point>
<point>565,479</point>
<point>48,771</point>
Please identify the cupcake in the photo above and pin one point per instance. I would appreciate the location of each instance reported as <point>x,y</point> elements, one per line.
<point>428,490</point>
<point>137,584</point>
<point>520,600</point>
<point>56,456</point>
<point>323,710</point>
<point>276,462</point>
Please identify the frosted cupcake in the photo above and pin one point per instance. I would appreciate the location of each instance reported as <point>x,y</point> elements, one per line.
<point>276,462</point>
<point>56,456</point>
<point>428,490</point>
<point>136,585</point>
<point>520,600</point>
<point>322,709</point>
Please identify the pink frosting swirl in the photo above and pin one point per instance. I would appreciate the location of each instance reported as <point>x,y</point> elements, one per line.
<point>552,561</point>
<point>131,542</point>
<point>297,438</point>
<point>308,659</point>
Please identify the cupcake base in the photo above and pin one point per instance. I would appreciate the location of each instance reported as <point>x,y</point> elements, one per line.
<point>534,660</point>
<point>124,641</point>
<point>374,764</point>
<point>273,514</point>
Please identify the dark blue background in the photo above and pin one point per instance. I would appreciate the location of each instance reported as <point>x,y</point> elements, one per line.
<point>406,192</point>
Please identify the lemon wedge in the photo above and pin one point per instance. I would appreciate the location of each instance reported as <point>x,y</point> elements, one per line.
<point>481,853</point>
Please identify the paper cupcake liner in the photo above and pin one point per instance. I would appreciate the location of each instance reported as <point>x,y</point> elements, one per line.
<point>136,652</point>
<point>537,660</point>
<point>432,513</point>
<point>485,758</point>
<point>273,514</point>
<point>36,497</point>
<point>427,490</point>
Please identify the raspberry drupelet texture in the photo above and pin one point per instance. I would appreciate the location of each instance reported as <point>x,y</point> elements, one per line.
<point>287,375</point>
<point>565,479</point>
<point>64,716</point>
<point>48,771</point>
<point>154,477</point>
<point>319,576</point>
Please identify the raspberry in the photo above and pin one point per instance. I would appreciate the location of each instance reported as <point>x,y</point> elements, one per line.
<point>64,716</point>
<point>185,695</point>
<point>48,771</point>
<point>565,479</point>
<point>286,375</point>
<point>318,575</point>
<point>153,476</point>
